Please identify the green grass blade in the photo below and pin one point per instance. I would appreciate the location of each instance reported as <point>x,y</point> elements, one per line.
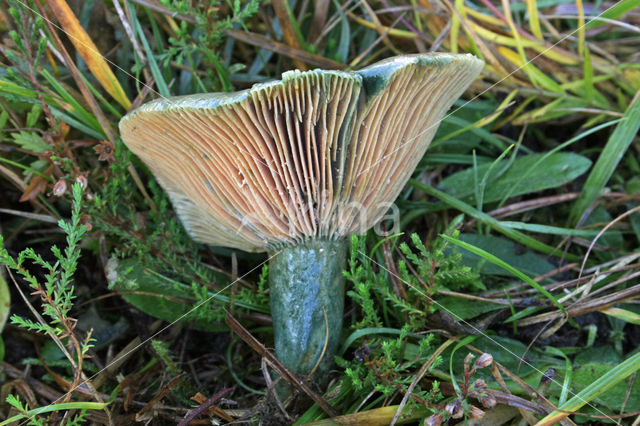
<point>486,135</point>
<point>462,343</point>
<point>483,183</point>
<point>499,262</point>
<point>614,150</point>
<point>77,110</point>
<point>161,84</point>
<point>58,113</point>
<point>56,407</point>
<point>27,168</point>
<point>490,221</point>
<point>568,372</point>
<point>553,230</point>
<point>614,12</point>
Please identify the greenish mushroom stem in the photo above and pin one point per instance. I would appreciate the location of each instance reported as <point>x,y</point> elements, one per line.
<point>306,287</point>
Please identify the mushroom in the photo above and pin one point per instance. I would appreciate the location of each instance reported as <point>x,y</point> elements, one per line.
<point>294,167</point>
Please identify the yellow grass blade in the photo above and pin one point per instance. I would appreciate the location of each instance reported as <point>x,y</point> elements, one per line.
<point>580,27</point>
<point>540,47</point>
<point>377,416</point>
<point>499,38</point>
<point>534,23</point>
<point>455,26</point>
<point>536,76</point>
<point>526,66</point>
<point>482,17</point>
<point>623,314</point>
<point>88,51</point>
<point>393,32</point>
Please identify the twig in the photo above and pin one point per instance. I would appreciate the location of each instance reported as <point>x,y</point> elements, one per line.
<point>274,363</point>
<point>204,406</point>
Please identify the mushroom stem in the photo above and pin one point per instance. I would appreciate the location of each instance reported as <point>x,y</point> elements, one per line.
<point>307,304</point>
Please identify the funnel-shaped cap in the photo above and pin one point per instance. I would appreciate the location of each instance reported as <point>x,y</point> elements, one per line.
<point>317,155</point>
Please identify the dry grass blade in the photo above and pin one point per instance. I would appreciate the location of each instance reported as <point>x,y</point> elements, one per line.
<point>142,414</point>
<point>320,14</point>
<point>33,216</point>
<point>259,40</point>
<point>88,50</point>
<point>288,32</point>
<point>419,375</point>
<point>585,307</point>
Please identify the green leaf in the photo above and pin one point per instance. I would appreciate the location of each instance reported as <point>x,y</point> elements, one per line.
<point>603,381</point>
<point>614,150</point>
<point>31,141</point>
<point>555,171</point>
<point>161,84</point>
<point>524,260</point>
<point>615,396</point>
<point>466,309</point>
<point>605,353</point>
<point>164,298</point>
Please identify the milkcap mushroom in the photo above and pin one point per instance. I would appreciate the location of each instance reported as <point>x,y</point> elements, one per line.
<point>294,167</point>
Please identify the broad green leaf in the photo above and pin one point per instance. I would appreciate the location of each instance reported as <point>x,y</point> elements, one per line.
<point>525,260</point>
<point>614,398</point>
<point>601,383</point>
<point>164,298</point>
<point>555,171</point>
<point>466,309</point>
<point>605,353</point>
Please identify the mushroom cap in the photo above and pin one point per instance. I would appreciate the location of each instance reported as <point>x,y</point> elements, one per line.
<point>317,155</point>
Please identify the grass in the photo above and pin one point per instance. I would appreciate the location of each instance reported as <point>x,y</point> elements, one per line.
<point>517,233</point>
